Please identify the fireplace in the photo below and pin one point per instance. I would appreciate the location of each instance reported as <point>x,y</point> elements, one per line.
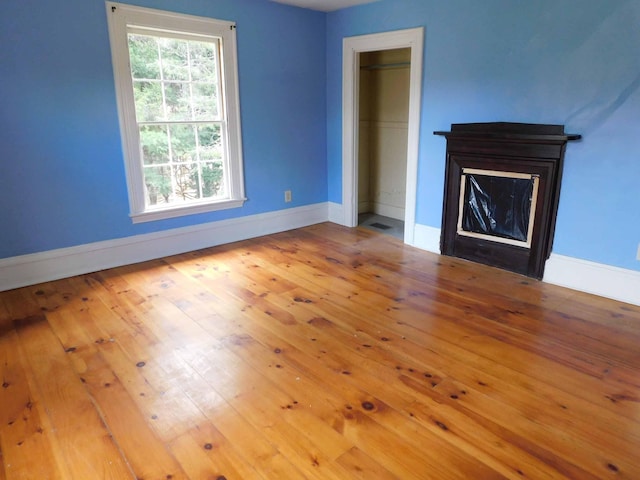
<point>502,187</point>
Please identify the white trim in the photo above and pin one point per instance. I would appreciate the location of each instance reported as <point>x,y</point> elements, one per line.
<point>152,215</point>
<point>596,278</point>
<point>66,262</point>
<point>336,214</point>
<point>352,47</point>
<point>427,238</point>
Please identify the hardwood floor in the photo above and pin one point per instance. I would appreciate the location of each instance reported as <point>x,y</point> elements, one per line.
<point>321,353</point>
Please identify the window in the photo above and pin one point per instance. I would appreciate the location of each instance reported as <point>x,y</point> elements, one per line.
<point>177,90</point>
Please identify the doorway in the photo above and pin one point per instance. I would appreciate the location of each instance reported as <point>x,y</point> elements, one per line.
<point>360,51</point>
<point>383,119</point>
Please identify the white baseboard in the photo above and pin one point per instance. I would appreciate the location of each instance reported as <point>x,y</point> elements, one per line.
<point>41,267</point>
<point>603,280</point>
<point>427,238</point>
<point>599,279</point>
<point>336,213</point>
<point>387,210</point>
<point>596,278</point>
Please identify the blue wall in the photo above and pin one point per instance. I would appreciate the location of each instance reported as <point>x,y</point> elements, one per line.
<point>547,61</point>
<point>62,181</point>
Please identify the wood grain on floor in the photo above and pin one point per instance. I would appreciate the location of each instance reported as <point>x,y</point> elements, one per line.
<point>320,353</point>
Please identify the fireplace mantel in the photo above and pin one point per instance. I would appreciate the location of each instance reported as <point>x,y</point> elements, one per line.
<point>508,165</point>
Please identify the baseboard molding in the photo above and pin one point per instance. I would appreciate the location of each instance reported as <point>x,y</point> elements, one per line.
<point>41,267</point>
<point>427,238</point>
<point>595,278</point>
<point>336,213</point>
<point>603,280</point>
<point>387,210</point>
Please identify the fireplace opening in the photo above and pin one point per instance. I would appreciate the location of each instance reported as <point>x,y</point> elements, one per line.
<point>497,205</point>
<point>502,188</point>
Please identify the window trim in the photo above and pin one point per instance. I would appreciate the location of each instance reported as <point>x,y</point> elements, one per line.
<point>120,18</point>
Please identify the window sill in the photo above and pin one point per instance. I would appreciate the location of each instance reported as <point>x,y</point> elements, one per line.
<point>174,212</point>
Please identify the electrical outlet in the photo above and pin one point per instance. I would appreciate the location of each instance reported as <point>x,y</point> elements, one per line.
<point>638,255</point>
<point>287,195</point>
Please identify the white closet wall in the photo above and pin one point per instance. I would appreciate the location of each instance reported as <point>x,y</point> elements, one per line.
<point>384,110</point>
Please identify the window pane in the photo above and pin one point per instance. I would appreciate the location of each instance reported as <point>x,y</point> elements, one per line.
<point>143,51</point>
<point>210,142</point>
<point>205,101</point>
<point>154,142</point>
<point>203,62</point>
<point>174,57</point>
<point>183,143</point>
<point>148,101</point>
<point>212,180</point>
<point>157,181</point>
<point>178,98</point>
<point>187,181</point>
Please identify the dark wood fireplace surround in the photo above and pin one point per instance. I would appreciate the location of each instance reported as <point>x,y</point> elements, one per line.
<point>532,149</point>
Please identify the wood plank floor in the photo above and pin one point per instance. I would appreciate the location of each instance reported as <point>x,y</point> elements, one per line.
<point>320,353</point>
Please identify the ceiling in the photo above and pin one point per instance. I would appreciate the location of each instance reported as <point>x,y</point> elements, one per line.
<point>324,5</point>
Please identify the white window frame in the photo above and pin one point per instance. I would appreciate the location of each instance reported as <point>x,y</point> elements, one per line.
<point>122,17</point>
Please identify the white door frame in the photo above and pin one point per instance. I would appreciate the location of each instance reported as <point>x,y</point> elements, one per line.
<point>352,47</point>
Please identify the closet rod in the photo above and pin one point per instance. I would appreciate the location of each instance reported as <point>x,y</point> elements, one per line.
<point>387,65</point>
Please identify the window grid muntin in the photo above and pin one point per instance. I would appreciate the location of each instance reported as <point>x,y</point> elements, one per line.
<point>216,83</point>
<point>173,163</point>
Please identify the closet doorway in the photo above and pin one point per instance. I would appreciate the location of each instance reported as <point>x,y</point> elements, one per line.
<point>383,125</point>
<point>382,55</point>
